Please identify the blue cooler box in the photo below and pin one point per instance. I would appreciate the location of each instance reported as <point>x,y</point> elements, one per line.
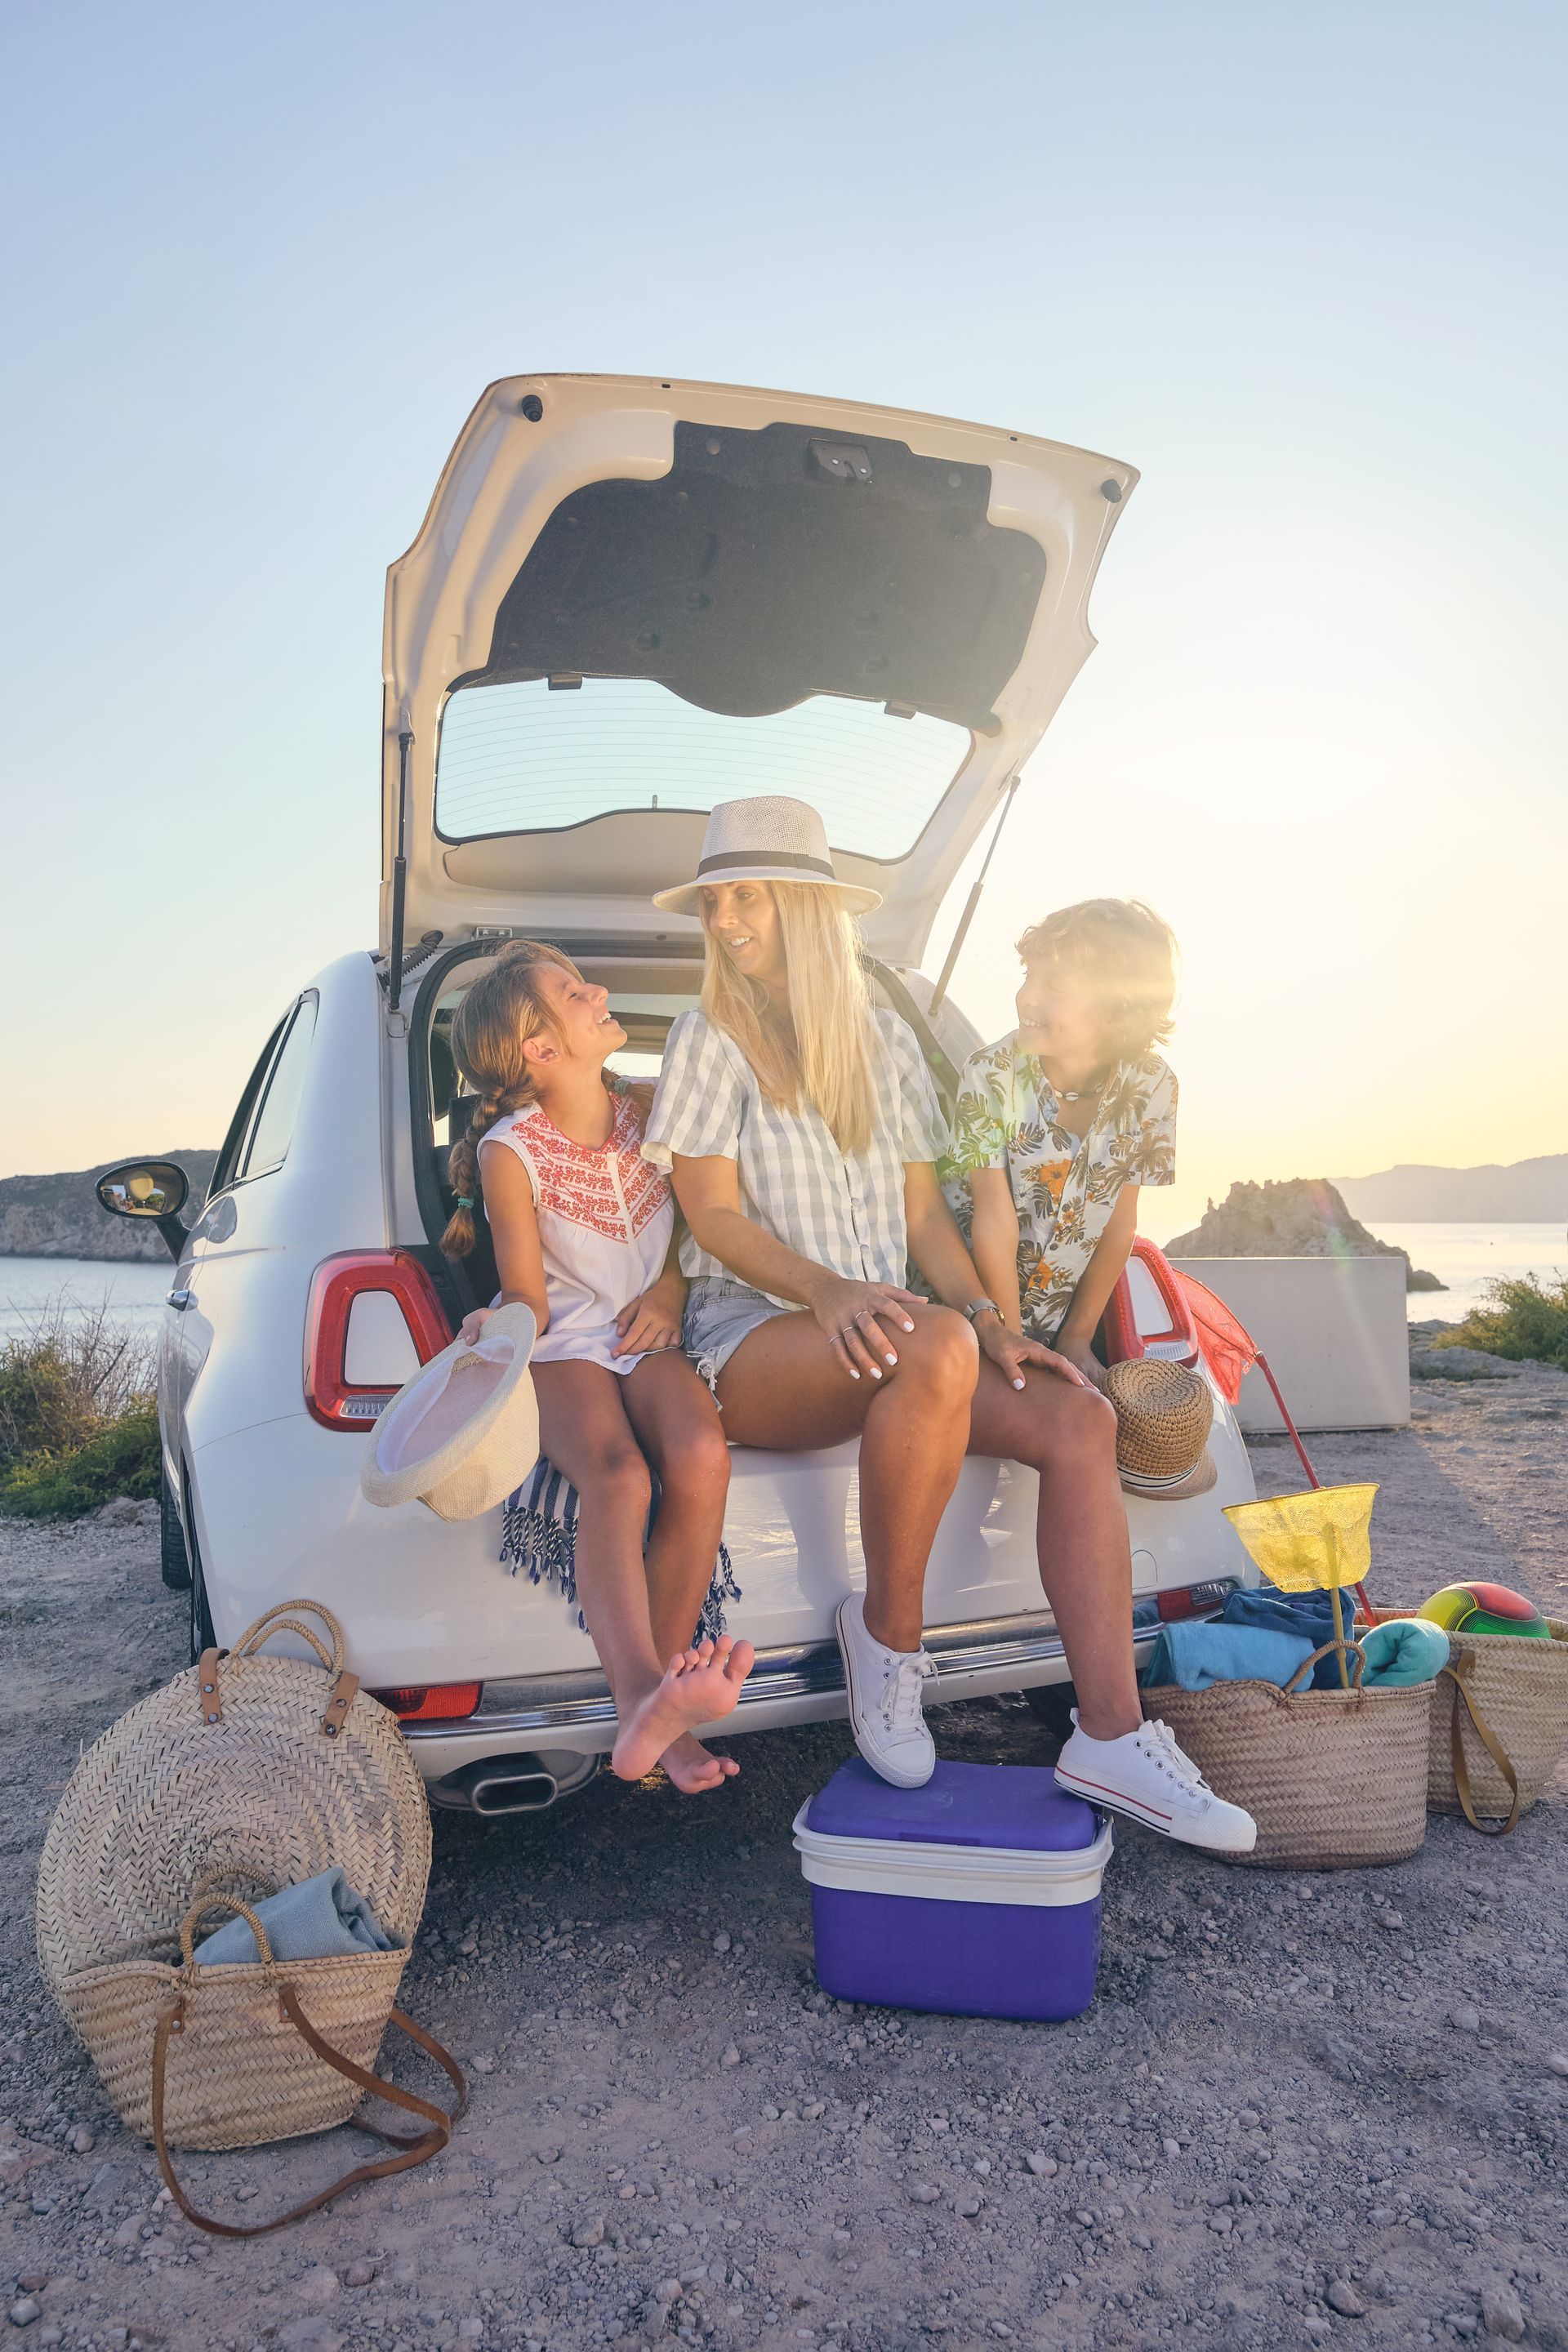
<point>977,1896</point>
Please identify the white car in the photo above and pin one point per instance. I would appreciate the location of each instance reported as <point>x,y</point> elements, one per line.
<point>628,600</point>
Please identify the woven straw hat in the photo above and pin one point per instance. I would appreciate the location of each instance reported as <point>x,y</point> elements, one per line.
<point>765,839</point>
<point>1163,1416</point>
<point>463,1432</point>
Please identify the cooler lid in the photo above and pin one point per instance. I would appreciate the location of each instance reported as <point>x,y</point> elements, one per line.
<point>1017,1807</point>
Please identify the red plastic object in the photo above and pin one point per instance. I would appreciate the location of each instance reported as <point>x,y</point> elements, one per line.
<point>1176,1340</point>
<point>334,1401</point>
<point>432,1702</point>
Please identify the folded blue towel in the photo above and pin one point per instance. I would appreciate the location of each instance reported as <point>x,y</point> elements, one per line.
<point>321,1918</point>
<point>1308,1613</point>
<point>1405,1650</point>
<point>1195,1653</point>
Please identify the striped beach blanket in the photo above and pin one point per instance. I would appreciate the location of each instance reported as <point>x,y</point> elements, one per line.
<point>538,1535</point>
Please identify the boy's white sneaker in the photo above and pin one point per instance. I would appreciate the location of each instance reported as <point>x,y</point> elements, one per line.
<point>887,1694</point>
<point>1146,1776</point>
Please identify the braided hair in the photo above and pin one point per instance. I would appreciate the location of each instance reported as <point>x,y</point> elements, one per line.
<point>505,1007</point>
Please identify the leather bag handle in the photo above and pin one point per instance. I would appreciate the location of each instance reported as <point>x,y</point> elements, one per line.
<point>1458,1673</point>
<point>413,2148</point>
<point>1350,1649</point>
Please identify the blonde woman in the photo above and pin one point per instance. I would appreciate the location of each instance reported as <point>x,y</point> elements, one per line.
<point>802,1130</point>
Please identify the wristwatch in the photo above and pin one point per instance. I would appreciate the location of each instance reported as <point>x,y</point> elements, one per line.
<point>978,1307</point>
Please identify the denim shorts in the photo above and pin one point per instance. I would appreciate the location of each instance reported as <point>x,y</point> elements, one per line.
<point>718,1315</point>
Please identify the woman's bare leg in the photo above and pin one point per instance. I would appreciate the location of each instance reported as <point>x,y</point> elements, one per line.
<point>783,1387</point>
<point>1068,1435</point>
<point>585,1431</point>
<point>681,1433</point>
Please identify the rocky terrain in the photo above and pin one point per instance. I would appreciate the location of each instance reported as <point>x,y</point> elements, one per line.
<point>59,1216</point>
<point>1303,1216</point>
<point>1304,2111</point>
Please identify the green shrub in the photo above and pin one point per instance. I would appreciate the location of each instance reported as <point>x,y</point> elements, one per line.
<point>43,1407</point>
<point>1524,1318</point>
<point>122,1457</point>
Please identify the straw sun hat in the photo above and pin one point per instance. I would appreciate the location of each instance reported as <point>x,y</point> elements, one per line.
<point>765,839</point>
<point>1163,1416</point>
<point>465,1430</point>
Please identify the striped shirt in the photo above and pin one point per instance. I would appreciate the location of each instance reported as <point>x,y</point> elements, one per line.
<point>846,1214</point>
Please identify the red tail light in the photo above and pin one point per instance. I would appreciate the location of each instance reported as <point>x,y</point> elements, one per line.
<point>434,1703</point>
<point>335,1401</point>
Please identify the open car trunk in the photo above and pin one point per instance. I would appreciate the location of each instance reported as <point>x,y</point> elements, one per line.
<point>631,599</point>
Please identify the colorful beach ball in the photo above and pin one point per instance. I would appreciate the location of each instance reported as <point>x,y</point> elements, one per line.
<point>1485,1609</point>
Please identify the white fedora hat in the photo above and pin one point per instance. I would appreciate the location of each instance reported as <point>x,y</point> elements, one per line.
<point>769,839</point>
<point>465,1430</point>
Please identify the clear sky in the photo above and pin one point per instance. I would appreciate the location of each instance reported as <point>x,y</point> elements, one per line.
<point>1302,267</point>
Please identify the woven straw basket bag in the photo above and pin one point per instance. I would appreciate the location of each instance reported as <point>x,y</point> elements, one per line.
<point>243,1772</point>
<point>1500,1724</point>
<point>1334,1779</point>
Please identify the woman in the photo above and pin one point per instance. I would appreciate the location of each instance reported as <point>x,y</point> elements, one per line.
<point>802,1131</point>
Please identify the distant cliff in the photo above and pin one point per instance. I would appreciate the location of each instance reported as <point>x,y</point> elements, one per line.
<point>59,1216</point>
<point>1530,1192</point>
<point>1303,1217</point>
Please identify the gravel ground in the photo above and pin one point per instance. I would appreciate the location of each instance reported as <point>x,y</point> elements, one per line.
<point>1301,2109</point>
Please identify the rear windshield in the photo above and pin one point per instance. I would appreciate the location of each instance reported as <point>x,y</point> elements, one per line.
<point>525,757</point>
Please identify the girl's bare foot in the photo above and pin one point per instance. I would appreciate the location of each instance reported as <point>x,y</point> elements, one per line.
<point>694,1768</point>
<point>701,1686</point>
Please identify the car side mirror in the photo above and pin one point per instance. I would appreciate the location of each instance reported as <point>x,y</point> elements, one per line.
<point>153,1190</point>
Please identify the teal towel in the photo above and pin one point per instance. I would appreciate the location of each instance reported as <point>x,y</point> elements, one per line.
<point>1195,1654</point>
<point>1405,1650</point>
<point>321,1918</point>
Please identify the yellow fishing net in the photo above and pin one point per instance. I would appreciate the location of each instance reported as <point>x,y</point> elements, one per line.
<point>1302,1542</point>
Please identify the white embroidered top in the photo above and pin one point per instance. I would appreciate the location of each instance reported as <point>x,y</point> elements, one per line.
<point>606,1216</point>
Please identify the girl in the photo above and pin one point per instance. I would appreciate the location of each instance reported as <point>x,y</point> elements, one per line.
<point>803,1131</point>
<point>1059,1124</point>
<point>584,1231</point>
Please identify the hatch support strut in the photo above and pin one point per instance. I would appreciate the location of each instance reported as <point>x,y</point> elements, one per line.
<point>400,874</point>
<point>940,992</point>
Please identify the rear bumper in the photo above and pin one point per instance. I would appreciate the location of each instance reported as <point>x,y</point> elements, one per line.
<point>803,1684</point>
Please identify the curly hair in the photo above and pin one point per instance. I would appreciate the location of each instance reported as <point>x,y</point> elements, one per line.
<point>1128,956</point>
<point>504,1008</point>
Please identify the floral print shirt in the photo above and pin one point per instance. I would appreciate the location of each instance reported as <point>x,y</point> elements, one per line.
<point>1064,1186</point>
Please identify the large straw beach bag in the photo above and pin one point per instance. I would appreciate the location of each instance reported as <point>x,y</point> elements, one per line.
<point>1334,1779</point>
<point>244,1773</point>
<point>247,1769</point>
<point>1499,1727</point>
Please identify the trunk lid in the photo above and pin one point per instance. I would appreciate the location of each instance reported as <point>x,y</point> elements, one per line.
<point>632,598</point>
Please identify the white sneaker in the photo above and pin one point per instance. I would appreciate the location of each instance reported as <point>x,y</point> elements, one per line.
<point>1146,1776</point>
<point>886,1693</point>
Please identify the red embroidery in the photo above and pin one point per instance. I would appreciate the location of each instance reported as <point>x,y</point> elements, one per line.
<point>577,1181</point>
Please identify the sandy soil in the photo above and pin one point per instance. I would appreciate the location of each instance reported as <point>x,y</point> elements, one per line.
<point>1301,2108</point>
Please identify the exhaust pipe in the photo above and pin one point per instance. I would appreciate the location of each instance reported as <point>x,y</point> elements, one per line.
<point>498,1784</point>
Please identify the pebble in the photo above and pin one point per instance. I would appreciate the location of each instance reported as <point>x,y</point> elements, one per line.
<point>1343,2298</point>
<point>83,2141</point>
<point>1503,2312</point>
<point>731,2055</point>
<point>589,2232</point>
<point>359,2273</point>
<point>32,2282</point>
<point>923,2193</point>
<point>548,2155</point>
<point>319,2285</point>
<point>24,2311</point>
<point>1042,2166</point>
<point>1389,1918</point>
<point>1171,2150</point>
<point>1558,2061</point>
<point>1465,2018</point>
<point>721,1942</point>
<point>968,2205</point>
